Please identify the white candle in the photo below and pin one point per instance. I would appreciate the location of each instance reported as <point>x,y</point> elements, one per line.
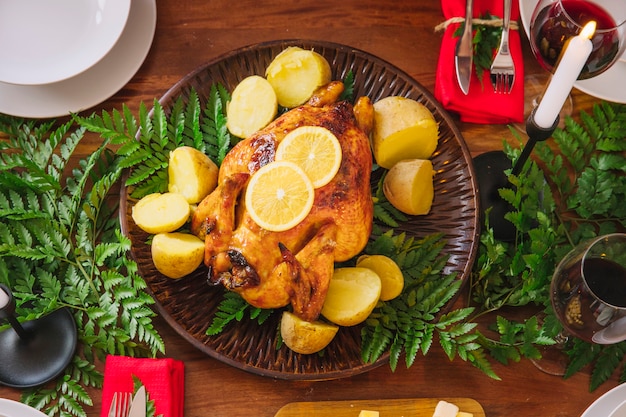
<point>573,58</point>
<point>4,298</point>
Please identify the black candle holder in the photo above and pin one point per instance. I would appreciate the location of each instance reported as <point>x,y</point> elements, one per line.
<point>35,352</point>
<point>490,172</point>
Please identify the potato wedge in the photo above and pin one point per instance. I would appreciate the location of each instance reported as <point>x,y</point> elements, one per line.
<point>253,106</point>
<point>191,173</point>
<point>161,213</point>
<point>403,129</point>
<point>409,186</point>
<point>352,295</point>
<point>303,336</point>
<point>390,274</point>
<point>176,254</point>
<point>295,74</point>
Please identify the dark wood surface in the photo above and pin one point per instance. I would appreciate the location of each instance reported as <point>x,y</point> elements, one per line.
<point>191,32</point>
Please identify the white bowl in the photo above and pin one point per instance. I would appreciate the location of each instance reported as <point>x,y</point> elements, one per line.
<point>44,41</point>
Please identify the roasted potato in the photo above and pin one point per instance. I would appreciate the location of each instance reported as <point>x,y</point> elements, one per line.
<point>191,173</point>
<point>403,129</point>
<point>409,186</point>
<point>295,74</point>
<point>176,254</point>
<point>303,336</point>
<point>352,295</point>
<point>253,106</point>
<point>161,213</point>
<point>390,274</point>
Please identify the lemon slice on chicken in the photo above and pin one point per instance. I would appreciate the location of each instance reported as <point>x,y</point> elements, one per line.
<point>279,196</point>
<point>315,149</point>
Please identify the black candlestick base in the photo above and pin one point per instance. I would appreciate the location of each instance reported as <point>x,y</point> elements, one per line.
<point>42,353</point>
<point>489,168</point>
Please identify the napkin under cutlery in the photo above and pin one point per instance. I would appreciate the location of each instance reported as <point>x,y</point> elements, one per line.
<point>482,104</point>
<point>163,379</point>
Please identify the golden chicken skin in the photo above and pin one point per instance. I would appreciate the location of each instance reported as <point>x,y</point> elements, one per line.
<point>274,269</point>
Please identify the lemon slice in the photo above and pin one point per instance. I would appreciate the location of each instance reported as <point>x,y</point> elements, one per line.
<point>315,149</point>
<point>279,196</point>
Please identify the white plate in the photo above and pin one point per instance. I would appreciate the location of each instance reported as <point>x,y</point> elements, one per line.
<point>608,86</point>
<point>607,403</point>
<point>94,85</point>
<point>10,408</point>
<point>620,411</point>
<point>43,41</point>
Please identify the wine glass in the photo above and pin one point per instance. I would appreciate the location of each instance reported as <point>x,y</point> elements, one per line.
<point>555,21</point>
<point>588,295</point>
<point>588,290</point>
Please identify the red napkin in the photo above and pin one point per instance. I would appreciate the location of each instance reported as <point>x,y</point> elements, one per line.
<point>482,104</point>
<point>163,379</point>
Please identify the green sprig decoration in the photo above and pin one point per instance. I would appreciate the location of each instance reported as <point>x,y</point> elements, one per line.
<point>60,247</point>
<point>485,41</point>
<point>234,307</point>
<point>574,191</point>
<point>150,404</point>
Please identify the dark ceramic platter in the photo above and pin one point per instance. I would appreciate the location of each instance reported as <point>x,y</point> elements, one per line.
<point>188,304</point>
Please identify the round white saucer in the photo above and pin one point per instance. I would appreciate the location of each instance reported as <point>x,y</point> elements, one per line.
<point>43,41</point>
<point>608,86</point>
<point>607,403</point>
<point>10,408</point>
<point>96,84</point>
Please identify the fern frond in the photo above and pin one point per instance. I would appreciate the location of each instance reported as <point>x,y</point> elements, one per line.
<point>59,243</point>
<point>234,307</point>
<point>408,323</point>
<point>216,136</point>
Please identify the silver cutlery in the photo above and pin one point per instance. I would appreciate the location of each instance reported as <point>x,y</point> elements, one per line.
<point>502,69</point>
<point>464,51</point>
<point>120,404</point>
<point>138,407</point>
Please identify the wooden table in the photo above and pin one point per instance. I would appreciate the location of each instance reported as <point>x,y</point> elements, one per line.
<point>192,32</point>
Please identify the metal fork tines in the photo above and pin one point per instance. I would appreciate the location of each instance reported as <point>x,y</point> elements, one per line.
<point>502,68</point>
<point>120,406</point>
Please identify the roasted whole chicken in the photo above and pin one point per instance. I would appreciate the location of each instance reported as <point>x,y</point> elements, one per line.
<point>275,269</point>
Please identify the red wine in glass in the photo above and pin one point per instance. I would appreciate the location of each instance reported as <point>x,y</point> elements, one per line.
<point>589,290</point>
<point>557,22</point>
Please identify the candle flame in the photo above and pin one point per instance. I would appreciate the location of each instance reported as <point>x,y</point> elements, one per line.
<point>588,30</point>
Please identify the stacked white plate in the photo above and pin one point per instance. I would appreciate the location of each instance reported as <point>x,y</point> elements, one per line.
<point>610,404</point>
<point>65,56</point>
<point>10,408</point>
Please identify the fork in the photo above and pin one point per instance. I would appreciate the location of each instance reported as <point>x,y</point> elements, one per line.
<point>502,69</point>
<point>120,406</point>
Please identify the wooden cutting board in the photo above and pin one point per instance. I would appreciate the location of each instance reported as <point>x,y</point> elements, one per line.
<point>410,407</point>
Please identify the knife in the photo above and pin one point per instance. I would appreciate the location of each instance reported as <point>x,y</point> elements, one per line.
<point>138,407</point>
<point>464,51</point>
